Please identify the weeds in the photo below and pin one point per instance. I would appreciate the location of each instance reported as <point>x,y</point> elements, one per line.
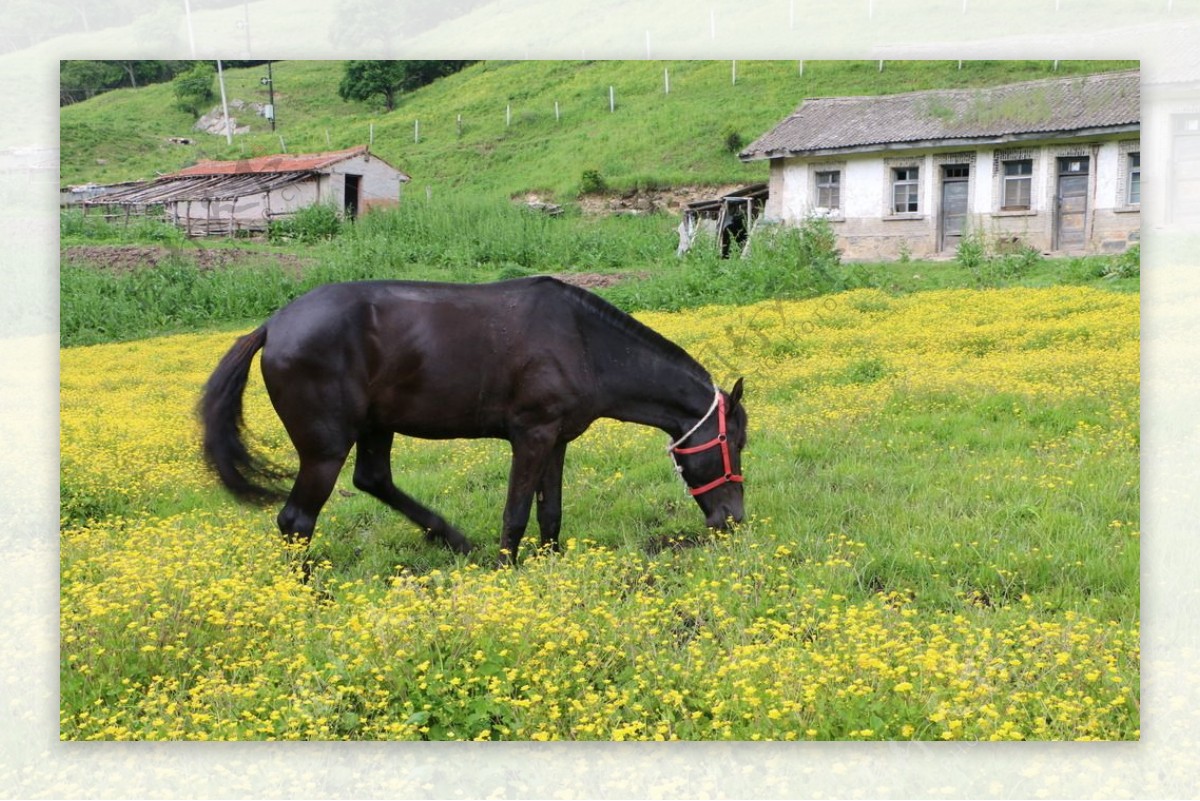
<point>310,224</point>
<point>990,265</point>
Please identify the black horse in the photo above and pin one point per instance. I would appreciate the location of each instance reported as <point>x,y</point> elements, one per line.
<point>534,361</point>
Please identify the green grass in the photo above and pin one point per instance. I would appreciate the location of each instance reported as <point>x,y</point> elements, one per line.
<point>459,239</point>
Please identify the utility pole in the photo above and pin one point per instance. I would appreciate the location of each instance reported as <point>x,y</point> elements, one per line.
<point>224,104</point>
<point>270,84</point>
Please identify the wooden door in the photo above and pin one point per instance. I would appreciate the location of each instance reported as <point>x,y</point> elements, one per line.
<point>955,182</point>
<point>1071,204</point>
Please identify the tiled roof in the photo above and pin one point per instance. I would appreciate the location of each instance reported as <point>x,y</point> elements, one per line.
<point>955,116</point>
<point>309,162</point>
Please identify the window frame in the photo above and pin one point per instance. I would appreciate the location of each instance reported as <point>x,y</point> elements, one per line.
<point>911,186</point>
<point>1016,179</point>
<point>1134,178</point>
<point>835,188</point>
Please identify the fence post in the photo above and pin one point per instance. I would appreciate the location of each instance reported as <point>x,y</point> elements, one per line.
<point>508,115</point>
<point>416,131</point>
<point>612,99</point>
<point>666,81</point>
<point>733,71</point>
<point>556,114</point>
<point>458,125</point>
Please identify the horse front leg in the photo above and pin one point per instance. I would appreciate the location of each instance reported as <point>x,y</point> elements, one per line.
<point>529,459</point>
<point>549,497</point>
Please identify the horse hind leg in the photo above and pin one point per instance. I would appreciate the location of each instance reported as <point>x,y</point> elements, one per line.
<point>373,475</point>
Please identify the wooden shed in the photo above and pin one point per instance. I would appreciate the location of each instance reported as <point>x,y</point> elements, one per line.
<point>231,197</point>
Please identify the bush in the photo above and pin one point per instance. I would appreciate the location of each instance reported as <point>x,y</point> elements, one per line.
<point>1126,265</point>
<point>733,140</point>
<point>194,88</point>
<point>592,182</point>
<point>308,225</point>
<point>989,266</point>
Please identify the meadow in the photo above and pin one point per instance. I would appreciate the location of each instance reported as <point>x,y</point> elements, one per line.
<point>943,544</point>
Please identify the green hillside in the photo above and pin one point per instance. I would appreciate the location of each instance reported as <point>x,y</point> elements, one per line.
<point>510,140</point>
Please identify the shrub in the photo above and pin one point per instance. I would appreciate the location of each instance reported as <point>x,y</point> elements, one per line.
<point>592,182</point>
<point>1126,265</point>
<point>194,88</point>
<point>309,224</point>
<point>733,140</point>
<point>991,263</point>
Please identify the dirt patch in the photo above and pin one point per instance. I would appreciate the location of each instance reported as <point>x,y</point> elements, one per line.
<point>127,258</point>
<point>648,201</point>
<point>598,280</point>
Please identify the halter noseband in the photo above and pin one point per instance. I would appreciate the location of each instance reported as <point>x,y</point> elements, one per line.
<point>721,440</point>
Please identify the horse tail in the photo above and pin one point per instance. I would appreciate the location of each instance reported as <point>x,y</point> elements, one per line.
<point>245,475</point>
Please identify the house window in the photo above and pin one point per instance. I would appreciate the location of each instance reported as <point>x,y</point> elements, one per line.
<point>1018,185</point>
<point>1133,192</point>
<point>829,189</point>
<point>904,190</point>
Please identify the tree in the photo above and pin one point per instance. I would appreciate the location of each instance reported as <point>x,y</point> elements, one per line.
<point>81,80</point>
<point>194,88</point>
<point>364,80</point>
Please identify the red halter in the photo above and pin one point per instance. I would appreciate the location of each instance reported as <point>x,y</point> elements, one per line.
<point>721,440</point>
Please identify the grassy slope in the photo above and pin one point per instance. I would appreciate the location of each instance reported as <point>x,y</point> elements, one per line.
<point>652,139</point>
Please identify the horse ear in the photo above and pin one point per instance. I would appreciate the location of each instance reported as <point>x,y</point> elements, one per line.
<point>735,396</point>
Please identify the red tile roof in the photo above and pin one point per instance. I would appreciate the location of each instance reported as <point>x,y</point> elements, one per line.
<point>309,162</point>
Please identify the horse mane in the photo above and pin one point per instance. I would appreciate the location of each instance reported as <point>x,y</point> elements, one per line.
<point>601,309</point>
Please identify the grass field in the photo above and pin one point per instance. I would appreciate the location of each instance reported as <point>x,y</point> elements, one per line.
<point>942,478</point>
<point>943,544</point>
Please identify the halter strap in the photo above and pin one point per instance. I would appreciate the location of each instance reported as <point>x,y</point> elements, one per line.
<point>721,441</point>
<point>716,402</point>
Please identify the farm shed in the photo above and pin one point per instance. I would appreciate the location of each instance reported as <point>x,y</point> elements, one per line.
<point>1051,164</point>
<point>227,197</point>
<point>729,217</point>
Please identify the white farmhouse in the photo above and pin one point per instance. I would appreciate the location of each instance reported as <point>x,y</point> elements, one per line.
<point>1051,164</point>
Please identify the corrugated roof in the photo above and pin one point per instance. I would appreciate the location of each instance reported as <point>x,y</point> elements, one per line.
<point>226,180</point>
<point>955,116</point>
<point>174,188</point>
<point>307,162</point>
